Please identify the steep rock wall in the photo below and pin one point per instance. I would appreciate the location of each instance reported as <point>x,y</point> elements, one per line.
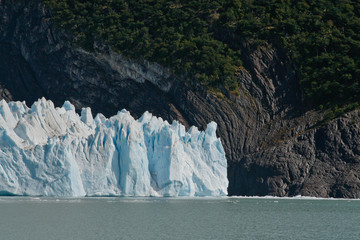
<point>272,145</point>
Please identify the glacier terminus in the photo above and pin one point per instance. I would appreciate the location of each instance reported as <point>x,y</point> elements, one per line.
<point>52,151</point>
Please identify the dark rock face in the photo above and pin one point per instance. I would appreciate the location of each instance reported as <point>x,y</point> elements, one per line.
<point>273,146</point>
<point>321,162</point>
<point>38,60</point>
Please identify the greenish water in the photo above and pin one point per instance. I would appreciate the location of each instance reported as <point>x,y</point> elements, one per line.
<point>154,218</point>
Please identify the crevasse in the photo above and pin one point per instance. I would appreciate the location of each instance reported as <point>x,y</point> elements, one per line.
<point>48,151</point>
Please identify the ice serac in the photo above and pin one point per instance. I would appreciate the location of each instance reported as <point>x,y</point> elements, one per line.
<point>50,151</point>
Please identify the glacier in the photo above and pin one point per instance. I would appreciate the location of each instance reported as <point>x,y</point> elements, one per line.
<point>53,151</point>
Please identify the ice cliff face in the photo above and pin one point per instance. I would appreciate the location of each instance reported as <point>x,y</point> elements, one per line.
<point>55,152</point>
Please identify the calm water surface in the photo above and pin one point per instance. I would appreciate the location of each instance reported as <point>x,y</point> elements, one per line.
<point>153,218</point>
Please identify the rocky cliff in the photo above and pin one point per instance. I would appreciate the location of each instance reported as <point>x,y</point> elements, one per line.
<point>273,146</point>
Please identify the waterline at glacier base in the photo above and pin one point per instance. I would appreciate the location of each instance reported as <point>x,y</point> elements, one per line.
<point>48,151</point>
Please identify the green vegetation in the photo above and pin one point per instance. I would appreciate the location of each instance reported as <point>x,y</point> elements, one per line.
<point>322,37</point>
<point>171,33</point>
<point>335,111</point>
<point>201,39</point>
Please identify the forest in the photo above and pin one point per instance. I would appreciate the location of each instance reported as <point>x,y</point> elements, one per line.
<point>201,40</point>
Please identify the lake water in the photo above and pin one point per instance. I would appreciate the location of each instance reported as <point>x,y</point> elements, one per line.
<point>153,218</point>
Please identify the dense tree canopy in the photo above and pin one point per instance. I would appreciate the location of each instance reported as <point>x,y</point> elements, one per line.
<point>201,39</point>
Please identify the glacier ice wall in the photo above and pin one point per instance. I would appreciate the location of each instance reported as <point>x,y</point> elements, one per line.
<point>50,151</point>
